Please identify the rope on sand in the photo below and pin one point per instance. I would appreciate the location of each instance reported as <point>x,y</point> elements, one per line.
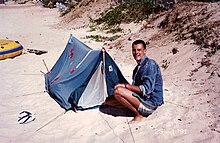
<point>130,130</point>
<point>51,121</point>
<point>111,128</point>
<point>27,137</point>
<point>177,104</point>
<point>31,93</point>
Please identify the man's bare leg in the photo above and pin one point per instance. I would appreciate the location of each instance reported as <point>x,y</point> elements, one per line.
<point>111,101</point>
<point>126,98</point>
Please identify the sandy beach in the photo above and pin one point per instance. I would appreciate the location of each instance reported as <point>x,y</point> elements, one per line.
<point>191,113</point>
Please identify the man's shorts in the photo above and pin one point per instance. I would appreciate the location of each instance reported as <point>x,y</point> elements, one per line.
<point>145,109</point>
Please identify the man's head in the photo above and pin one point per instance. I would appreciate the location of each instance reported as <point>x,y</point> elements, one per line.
<point>138,50</point>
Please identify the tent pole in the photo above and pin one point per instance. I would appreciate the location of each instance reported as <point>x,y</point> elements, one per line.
<point>103,55</point>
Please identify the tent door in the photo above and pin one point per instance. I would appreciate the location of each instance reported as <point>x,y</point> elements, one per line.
<point>96,90</point>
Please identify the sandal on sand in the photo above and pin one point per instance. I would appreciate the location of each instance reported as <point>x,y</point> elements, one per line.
<point>25,117</point>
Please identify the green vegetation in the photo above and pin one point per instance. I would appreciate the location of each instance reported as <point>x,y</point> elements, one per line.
<point>69,6</point>
<point>115,30</point>
<point>92,28</point>
<point>130,11</point>
<point>206,37</point>
<point>165,64</point>
<point>99,38</point>
<point>195,26</point>
<point>126,12</point>
<point>210,52</point>
<point>206,0</point>
<point>49,3</point>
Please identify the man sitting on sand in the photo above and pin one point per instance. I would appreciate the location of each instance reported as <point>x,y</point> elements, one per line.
<point>146,92</point>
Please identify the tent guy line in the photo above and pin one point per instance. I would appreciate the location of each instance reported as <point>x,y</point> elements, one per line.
<point>111,128</point>
<point>40,92</point>
<point>50,121</point>
<point>47,123</point>
<point>130,130</point>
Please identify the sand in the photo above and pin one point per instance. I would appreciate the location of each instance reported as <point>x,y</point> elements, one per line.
<point>190,113</point>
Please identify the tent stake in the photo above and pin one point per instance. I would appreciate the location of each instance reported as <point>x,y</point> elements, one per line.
<point>45,65</point>
<point>42,72</point>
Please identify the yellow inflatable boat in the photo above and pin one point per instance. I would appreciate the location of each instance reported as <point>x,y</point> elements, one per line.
<point>9,49</point>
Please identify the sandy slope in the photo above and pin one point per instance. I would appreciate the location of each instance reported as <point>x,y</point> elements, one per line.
<point>190,113</point>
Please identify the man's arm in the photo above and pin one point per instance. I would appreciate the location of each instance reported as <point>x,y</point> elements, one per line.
<point>133,88</point>
<point>149,79</point>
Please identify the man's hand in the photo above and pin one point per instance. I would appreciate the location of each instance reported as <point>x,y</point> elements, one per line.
<point>103,49</point>
<point>120,85</point>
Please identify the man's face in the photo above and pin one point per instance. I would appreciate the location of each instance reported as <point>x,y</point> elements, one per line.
<point>138,52</point>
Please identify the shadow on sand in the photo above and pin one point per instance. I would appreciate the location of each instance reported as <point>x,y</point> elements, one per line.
<point>115,111</point>
<point>112,107</point>
<point>124,112</point>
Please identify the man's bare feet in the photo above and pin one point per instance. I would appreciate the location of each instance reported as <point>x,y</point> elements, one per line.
<point>136,119</point>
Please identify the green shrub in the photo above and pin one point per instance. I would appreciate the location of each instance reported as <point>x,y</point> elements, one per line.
<point>49,3</point>
<point>99,38</point>
<point>70,6</point>
<point>115,30</point>
<point>165,64</point>
<point>206,0</point>
<point>130,11</point>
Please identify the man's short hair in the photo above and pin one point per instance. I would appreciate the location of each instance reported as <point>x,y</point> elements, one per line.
<point>139,42</point>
